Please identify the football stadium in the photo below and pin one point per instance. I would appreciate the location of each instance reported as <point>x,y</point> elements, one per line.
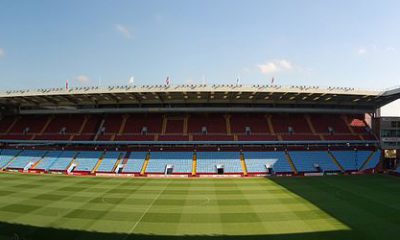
<point>197,162</point>
<point>199,119</point>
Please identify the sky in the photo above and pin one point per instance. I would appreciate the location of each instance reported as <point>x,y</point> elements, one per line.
<point>107,42</point>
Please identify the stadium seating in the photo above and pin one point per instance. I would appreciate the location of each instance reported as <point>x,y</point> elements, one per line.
<point>304,161</point>
<point>109,160</point>
<point>256,162</point>
<point>207,162</point>
<point>174,126</point>
<point>347,159</point>
<point>48,160</point>
<point>25,158</point>
<point>174,137</point>
<point>135,123</point>
<point>33,124</point>
<point>257,137</point>
<point>353,160</point>
<point>112,123</point>
<point>89,129</point>
<point>200,127</point>
<point>257,122</point>
<point>53,136</point>
<point>212,137</point>
<point>180,161</point>
<point>322,123</point>
<point>71,124</point>
<point>214,123</point>
<point>297,122</point>
<point>86,161</point>
<point>5,123</point>
<point>62,161</point>
<point>373,161</point>
<point>6,156</point>
<point>135,162</point>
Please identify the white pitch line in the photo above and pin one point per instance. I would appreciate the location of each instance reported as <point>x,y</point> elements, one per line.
<point>147,209</point>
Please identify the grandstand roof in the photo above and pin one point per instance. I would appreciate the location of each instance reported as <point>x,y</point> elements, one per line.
<point>205,95</point>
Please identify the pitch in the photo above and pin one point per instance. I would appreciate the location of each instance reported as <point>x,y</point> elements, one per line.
<point>63,207</point>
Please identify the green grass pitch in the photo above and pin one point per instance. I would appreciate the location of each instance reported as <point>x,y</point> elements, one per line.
<point>335,207</point>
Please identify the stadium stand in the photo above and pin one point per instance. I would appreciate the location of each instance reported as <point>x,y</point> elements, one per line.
<point>256,124</point>
<point>135,162</point>
<point>174,126</point>
<point>313,161</point>
<point>290,123</point>
<point>63,161</point>
<point>48,160</point>
<point>329,123</point>
<point>109,127</point>
<point>179,162</point>
<point>353,160</point>
<point>257,162</point>
<point>372,161</point>
<point>26,159</point>
<point>200,127</point>
<point>233,129</point>
<point>62,127</point>
<point>347,159</point>
<point>85,161</point>
<point>109,160</point>
<point>208,162</point>
<point>204,124</point>
<point>6,156</point>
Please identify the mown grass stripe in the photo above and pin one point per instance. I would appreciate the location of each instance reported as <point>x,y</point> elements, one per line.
<point>202,206</point>
<point>147,209</point>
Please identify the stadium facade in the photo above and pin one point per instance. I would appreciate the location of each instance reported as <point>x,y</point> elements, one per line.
<point>192,130</point>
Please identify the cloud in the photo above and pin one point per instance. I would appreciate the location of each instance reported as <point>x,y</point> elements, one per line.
<point>390,49</point>
<point>361,51</point>
<point>82,79</point>
<point>124,31</point>
<point>371,49</point>
<point>275,66</point>
<point>2,53</point>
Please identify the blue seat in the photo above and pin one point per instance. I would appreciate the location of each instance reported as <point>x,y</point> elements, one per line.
<point>373,161</point>
<point>48,160</point>
<point>109,161</point>
<point>207,162</point>
<point>304,161</point>
<point>86,161</point>
<point>135,162</point>
<point>353,160</point>
<point>62,161</point>
<point>256,162</point>
<point>6,156</point>
<point>26,157</point>
<point>181,162</point>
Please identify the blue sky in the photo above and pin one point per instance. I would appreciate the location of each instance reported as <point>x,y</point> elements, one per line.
<point>326,43</point>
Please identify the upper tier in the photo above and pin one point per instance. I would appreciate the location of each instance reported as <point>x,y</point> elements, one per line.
<point>187,127</point>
